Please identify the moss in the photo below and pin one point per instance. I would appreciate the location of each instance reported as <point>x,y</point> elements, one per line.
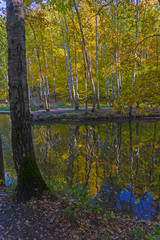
<point>30,182</point>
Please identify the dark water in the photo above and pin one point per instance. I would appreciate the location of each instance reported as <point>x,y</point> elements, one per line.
<point>119,162</point>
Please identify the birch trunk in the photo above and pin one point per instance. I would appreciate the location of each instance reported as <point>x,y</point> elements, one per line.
<point>64,47</point>
<point>69,60</point>
<point>118,55</point>
<point>97,62</point>
<point>136,41</point>
<point>85,80</point>
<point>2,176</point>
<point>30,182</point>
<point>54,78</point>
<point>106,71</point>
<point>86,55</point>
<point>112,81</point>
<point>135,55</point>
<point>46,77</point>
<point>75,51</point>
<point>40,70</point>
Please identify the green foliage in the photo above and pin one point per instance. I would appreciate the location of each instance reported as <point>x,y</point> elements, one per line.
<point>71,215</point>
<point>141,234</point>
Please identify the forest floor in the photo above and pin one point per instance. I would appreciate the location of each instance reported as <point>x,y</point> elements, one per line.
<point>58,217</point>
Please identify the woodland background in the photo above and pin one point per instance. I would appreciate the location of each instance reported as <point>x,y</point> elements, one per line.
<point>121,43</point>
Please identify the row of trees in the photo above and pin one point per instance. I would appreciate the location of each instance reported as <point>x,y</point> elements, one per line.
<point>100,52</point>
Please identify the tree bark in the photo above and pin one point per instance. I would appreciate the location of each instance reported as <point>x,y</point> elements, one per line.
<point>64,47</point>
<point>97,61</point>
<point>69,60</point>
<point>40,71</point>
<point>2,176</point>
<point>75,57</point>
<point>30,182</point>
<point>86,55</point>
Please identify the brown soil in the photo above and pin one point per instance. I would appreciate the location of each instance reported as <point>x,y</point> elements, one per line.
<point>52,218</point>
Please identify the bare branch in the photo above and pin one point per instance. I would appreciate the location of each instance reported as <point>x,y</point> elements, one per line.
<point>155,35</point>
<point>105,5</point>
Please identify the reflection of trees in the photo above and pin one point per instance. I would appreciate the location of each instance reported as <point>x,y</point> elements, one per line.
<point>122,152</point>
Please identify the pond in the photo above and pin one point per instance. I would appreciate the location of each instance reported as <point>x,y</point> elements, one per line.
<point>119,161</point>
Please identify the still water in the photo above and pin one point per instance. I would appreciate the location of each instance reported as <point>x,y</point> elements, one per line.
<point>119,162</point>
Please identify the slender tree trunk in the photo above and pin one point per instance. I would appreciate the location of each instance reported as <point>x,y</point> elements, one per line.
<point>70,66</point>
<point>118,55</point>
<point>75,51</point>
<point>112,82</point>
<point>46,77</point>
<point>135,54</point>
<point>40,70</point>
<point>86,55</point>
<point>97,62</point>
<point>106,71</point>
<point>136,41</point>
<point>85,80</point>
<point>2,176</point>
<point>140,58</point>
<point>64,47</point>
<point>54,78</point>
<point>30,181</point>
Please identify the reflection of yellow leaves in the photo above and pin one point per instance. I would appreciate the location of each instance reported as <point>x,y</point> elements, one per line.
<point>158,217</point>
<point>137,201</point>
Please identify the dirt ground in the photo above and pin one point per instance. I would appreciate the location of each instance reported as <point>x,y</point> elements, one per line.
<point>52,218</point>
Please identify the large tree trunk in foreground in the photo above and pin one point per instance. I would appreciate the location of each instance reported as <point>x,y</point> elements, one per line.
<point>30,181</point>
<point>2,176</point>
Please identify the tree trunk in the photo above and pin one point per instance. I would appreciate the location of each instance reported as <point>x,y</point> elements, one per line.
<point>40,70</point>
<point>118,55</point>
<point>46,76</point>
<point>69,59</point>
<point>54,78</point>
<point>106,71</point>
<point>30,182</point>
<point>75,51</point>
<point>97,62</point>
<point>86,55</point>
<point>85,80</point>
<point>2,176</point>
<point>64,47</point>
<point>136,40</point>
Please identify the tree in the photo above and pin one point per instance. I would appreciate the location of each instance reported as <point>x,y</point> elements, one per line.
<point>30,182</point>
<point>2,177</point>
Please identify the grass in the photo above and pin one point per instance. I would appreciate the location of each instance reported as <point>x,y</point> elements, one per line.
<point>154,235</point>
<point>4,108</point>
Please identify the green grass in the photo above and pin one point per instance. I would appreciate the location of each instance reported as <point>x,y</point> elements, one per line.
<point>4,109</point>
<point>153,235</point>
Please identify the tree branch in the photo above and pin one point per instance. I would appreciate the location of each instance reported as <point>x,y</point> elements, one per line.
<point>155,35</point>
<point>105,5</point>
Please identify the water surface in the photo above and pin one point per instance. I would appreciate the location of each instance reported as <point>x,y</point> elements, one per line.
<point>119,162</point>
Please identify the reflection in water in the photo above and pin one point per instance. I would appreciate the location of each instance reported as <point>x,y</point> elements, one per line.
<point>118,161</point>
